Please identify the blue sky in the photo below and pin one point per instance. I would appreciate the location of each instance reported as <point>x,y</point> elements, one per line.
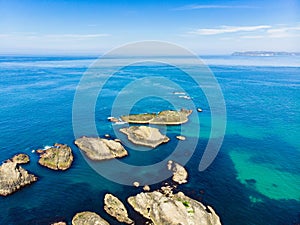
<point>93,27</point>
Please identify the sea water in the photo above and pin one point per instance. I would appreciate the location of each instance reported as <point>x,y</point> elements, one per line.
<point>254,180</point>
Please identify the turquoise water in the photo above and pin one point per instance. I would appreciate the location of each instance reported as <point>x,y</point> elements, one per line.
<point>255,178</point>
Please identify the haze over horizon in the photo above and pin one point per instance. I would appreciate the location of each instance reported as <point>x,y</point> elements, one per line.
<point>94,27</point>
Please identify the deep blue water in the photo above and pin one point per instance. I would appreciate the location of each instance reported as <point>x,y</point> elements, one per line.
<point>255,179</point>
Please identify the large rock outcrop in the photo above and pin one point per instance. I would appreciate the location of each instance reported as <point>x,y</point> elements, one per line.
<point>13,177</point>
<point>167,117</point>
<point>179,172</point>
<point>171,209</point>
<point>114,207</point>
<point>88,218</point>
<point>100,148</point>
<point>146,136</point>
<point>58,157</point>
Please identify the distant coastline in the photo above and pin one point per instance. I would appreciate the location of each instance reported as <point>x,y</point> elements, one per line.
<point>265,53</point>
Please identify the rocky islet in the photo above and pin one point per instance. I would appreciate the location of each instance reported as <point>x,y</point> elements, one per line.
<point>97,148</point>
<point>57,157</point>
<point>14,177</point>
<point>145,136</point>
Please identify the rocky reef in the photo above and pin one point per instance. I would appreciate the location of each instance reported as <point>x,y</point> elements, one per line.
<point>114,207</point>
<point>88,218</point>
<point>58,157</point>
<point>100,148</point>
<point>146,136</point>
<point>166,117</point>
<point>13,177</point>
<point>173,209</point>
<point>179,172</point>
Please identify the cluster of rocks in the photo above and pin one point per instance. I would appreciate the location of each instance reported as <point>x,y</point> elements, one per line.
<point>179,172</point>
<point>14,177</point>
<point>160,207</point>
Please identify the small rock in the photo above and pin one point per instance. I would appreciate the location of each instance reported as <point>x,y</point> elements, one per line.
<point>39,151</point>
<point>136,184</point>
<point>86,218</point>
<point>179,172</point>
<point>113,119</point>
<point>199,110</point>
<point>117,140</point>
<point>107,135</point>
<point>114,207</point>
<point>146,188</point>
<point>59,223</point>
<point>167,190</point>
<point>21,158</point>
<point>180,137</point>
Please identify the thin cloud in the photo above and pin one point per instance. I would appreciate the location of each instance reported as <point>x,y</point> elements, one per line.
<point>252,36</point>
<point>284,32</point>
<point>228,29</point>
<point>277,32</point>
<point>54,36</point>
<point>75,36</point>
<point>196,6</point>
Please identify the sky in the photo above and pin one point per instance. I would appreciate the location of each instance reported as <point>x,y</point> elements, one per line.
<point>95,26</point>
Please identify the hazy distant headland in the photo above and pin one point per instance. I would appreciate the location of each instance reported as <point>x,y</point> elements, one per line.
<point>265,53</point>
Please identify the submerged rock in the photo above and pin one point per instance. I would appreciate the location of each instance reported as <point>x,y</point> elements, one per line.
<point>100,148</point>
<point>179,172</point>
<point>146,136</point>
<point>174,209</point>
<point>167,117</point>
<point>88,218</point>
<point>114,207</point>
<point>58,157</point>
<point>21,158</point>
<point>13,177</point>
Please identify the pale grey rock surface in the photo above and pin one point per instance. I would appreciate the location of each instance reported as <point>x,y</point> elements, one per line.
<point>13,177</point>
<point>100,148</point>
<point>146,136</point>
<point>179,172</point>
<point>114,207</point>
<point>173,209</point>
<point>88,218</point>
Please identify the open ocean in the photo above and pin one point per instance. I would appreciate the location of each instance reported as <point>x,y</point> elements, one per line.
<point>254,180</point>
